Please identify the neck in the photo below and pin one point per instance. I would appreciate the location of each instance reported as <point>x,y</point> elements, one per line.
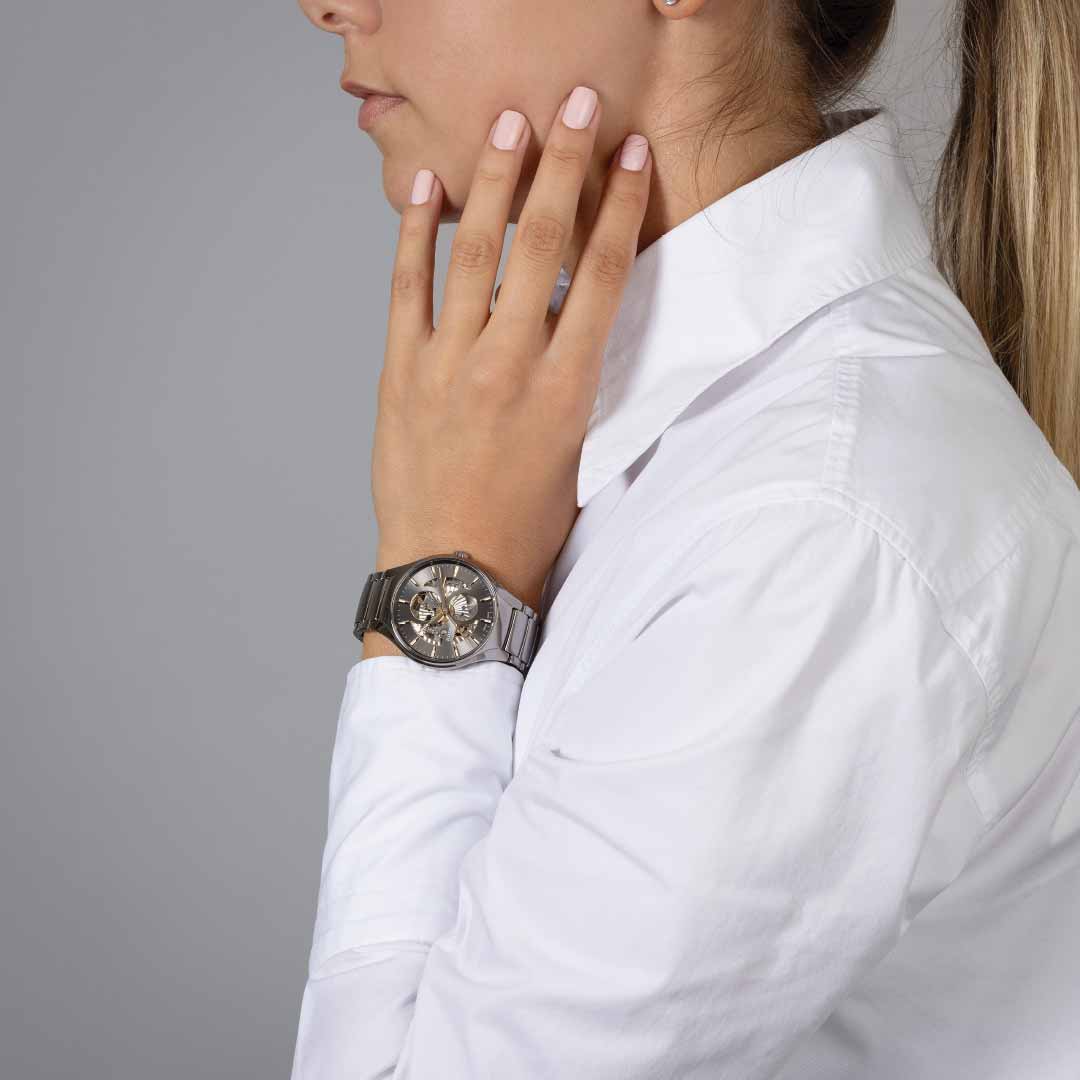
<point>681,187</point>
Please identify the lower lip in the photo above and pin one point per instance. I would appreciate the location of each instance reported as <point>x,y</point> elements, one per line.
<point>374,107</point>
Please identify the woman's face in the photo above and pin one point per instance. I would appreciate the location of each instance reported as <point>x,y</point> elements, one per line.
<point>459,63</point>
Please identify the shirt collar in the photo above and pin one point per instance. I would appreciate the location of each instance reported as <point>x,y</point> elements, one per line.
<point>722,285</point>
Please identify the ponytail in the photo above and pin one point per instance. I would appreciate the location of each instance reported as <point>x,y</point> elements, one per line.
<point>1007,201</point>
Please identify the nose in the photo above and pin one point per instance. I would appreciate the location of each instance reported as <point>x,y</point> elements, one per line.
<point>342,16</point>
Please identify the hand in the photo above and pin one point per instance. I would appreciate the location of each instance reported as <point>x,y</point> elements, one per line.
<point>481,420</point>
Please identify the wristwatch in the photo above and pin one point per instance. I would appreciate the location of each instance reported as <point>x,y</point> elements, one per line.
<point>445,611</point>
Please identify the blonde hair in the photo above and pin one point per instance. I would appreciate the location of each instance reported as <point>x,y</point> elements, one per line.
<point>1006,203</point>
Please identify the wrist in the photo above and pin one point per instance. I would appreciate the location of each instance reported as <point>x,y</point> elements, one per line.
<point>376,644</point>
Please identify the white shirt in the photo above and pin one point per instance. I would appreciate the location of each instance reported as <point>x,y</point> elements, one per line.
<point>791,787</point>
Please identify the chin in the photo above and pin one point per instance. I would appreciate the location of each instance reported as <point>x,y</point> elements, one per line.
<point>397,187</point>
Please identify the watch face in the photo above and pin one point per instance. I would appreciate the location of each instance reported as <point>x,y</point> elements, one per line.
<point>444,610</point>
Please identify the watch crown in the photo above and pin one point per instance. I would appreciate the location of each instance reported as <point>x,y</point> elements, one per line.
<point>463,554</point>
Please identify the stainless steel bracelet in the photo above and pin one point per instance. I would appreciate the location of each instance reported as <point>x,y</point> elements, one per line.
<point>371,612</point>
<point>521,631</point>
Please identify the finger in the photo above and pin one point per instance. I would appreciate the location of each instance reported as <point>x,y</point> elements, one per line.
<point>592,302</point>
<point>413,273</point>
<point>477,247</point>
<point>546,223</point>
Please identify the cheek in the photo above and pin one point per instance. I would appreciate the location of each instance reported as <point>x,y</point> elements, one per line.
<point>460,62</point>
<point>451,61</point>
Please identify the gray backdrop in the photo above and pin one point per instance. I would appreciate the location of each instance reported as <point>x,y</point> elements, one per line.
<point>195,250</point>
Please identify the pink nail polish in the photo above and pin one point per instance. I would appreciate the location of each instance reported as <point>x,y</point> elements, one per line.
<point>508,130</point>
<point>580,107</point>
<point>422,185</point>
<point>635,152</point>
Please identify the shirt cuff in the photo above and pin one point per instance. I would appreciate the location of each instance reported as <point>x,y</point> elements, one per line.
<point>421,758</point>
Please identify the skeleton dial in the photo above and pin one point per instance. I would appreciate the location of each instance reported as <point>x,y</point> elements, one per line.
<point>443,611</point>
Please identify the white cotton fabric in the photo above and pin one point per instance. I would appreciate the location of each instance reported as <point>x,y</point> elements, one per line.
<point>791,788</point>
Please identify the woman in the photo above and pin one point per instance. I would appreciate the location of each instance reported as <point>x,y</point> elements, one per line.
<point>729,728</point>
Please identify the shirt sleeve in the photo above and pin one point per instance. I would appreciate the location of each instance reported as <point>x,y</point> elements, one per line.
<point>712,836</point>
<point>421,757</point>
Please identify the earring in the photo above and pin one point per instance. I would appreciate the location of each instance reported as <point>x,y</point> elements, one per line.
<point>671,3</point>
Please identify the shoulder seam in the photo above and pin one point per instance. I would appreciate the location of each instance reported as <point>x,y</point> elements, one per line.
<point>998,543</point>
<point>838,452</point>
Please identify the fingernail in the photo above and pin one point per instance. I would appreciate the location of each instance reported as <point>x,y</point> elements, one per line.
<point>580,107</point>
<point>635,152</point>
<point>508,130</point>
<point>422,185</point>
